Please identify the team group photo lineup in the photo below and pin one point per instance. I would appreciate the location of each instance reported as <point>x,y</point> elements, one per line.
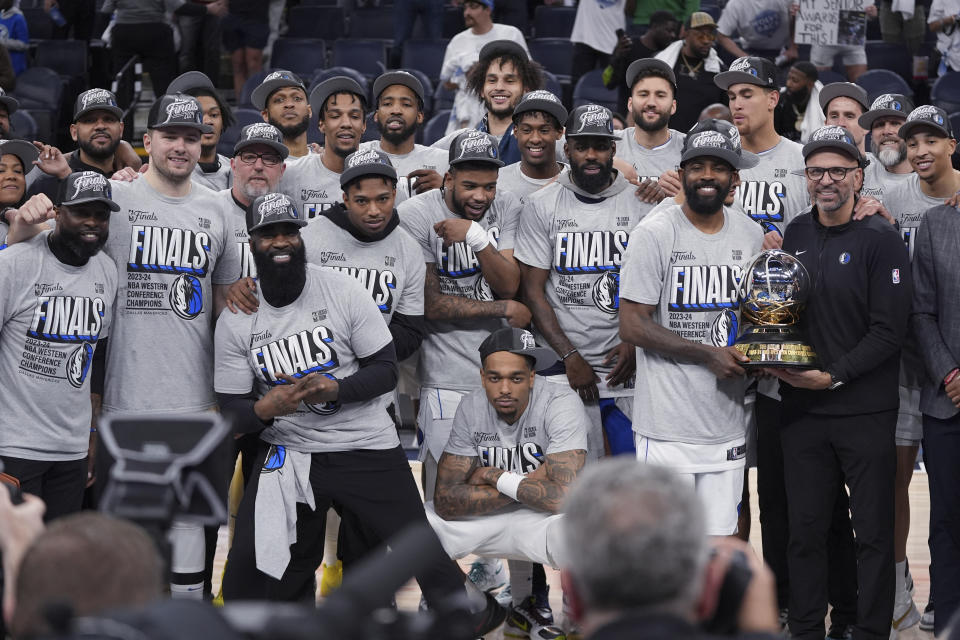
<point>536,319</point>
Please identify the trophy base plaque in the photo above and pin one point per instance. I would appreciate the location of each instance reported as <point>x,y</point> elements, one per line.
<point>775,347</point>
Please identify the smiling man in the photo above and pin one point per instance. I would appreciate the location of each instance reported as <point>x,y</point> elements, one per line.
<point>538,126</point>
<point>57,293</point>
<point>889,164</point>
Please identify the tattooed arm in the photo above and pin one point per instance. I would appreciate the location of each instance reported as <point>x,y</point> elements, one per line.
<point>440,306</point>
<point>476,493</point>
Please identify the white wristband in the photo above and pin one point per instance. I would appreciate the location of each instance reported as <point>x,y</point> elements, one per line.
<point>477,238</point>
<point>508,483</point>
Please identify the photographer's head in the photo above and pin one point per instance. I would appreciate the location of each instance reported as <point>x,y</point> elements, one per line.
<point>638,531</point>
<point>90,562</point>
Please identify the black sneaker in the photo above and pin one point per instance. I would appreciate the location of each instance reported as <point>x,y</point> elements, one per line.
<point>840,632</point>
<point>490,618</point>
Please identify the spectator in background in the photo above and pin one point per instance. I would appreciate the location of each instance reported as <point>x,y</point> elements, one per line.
<point>854,55</point>
<point>944,15</point>
<point>200,44</point>
<point>798,113</point>
<point>246,28</point>
<point>663,30</point>
<point>695,63</point>
<point>763,27</point>
<point>405,14</point>
<point>8,79</point>
<point>14,35</point>
<point>641,12</point>
<point>78,15</point>
<point>8,105</point>
<point>594,35</point>
<point>461,54</point>
<point>901,26</point>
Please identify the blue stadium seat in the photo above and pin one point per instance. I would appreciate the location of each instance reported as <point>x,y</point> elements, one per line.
<point>39,24</point>
<point>555,54</point>
<point>452,21</point>
<point>442,98</point>
<point>303,56</point>
<point>553,22</point>
<point>830,76</point>
<point>66,57</point>
<point>552,84</point>
<point>230,136</point>
<point>369,57</point>
<point>41,91</point>
<point>425,56</point>
<point>892,57</point>
<point>350,72</point>
<point>247,91</point>
<point>436,126</point>
<point>372,132</point>
<point>590,89</point>
<point>946,93</point>
<point>880,81</point>
<point>372,23</point>
<point>23,125</point>
<point>327,23</point>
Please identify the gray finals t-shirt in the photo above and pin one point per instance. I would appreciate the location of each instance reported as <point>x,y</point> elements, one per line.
<point>763,24</point>
<point>877,181</point>
<point>52,315</point>
<point>771,193</point>
<point>420,158</point>
<point>512,179</point>
<point>325,330</point>
<point>311,186</point>
<point>448,356</point>
<point>693,279</point>
<point>650,163</point>
<point>581,242</point>
<point>217,180</point>
<point>554,421</point>
<point>169,253</point>
<point>239,244</point>
<point>391,269</point>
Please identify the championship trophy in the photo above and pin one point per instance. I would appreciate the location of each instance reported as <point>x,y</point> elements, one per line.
<point>774,290</point>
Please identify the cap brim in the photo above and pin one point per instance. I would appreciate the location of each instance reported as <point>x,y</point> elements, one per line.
<point>726,155</point>
<point>609,136</point>
<point>12,104</point>
<point>866,120</point>
<point>190,81</point>
<point>117,111</point>
<point>276,146</point>
<point>812,147</point>
<point>372,169</point>
<point>493,161</point>
<point>23,150</point>
<point>545,358</point>
<point>906,130</point>
<point>258,97</point>
<point>727,79</point>
<point>553,108</point>
<point>113,206</point>
<point>202,128</point>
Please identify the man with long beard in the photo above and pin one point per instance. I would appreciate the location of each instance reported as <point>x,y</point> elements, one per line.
<point>570,244</point>
<point>313,183</point>
<point>57,294</point>
<point>689,412</point>
<point>324,421</point>
<point>889,165</point>
<point>282,100</point>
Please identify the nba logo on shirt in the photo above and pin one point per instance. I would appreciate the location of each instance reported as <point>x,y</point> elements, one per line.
<point>895,276</point>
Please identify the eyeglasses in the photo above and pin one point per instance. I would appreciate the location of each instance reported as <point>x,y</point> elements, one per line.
<point>269,159</point>
<point>837,174</point>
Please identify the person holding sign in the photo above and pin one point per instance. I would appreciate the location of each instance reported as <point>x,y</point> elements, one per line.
<point>835,28</point>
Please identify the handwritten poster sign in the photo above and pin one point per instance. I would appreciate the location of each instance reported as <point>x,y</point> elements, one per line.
<point>831,22</point>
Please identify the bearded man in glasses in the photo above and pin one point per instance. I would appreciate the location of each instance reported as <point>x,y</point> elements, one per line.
<point>839,419</point>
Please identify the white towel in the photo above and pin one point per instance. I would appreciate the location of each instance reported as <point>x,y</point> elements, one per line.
<point>905,7</point>
<point>672,52</point>
<point>813,117</point>
<point>284,481</point>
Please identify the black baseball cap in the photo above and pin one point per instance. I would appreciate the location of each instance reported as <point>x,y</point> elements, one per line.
<point>643,64</point>
<point>367,163</point>
<point>894,105</point>
<point>279,79</point>
<point>502,47</point>
<point>391,78</point>
<point>927,115</point>
<point>475,146</point>
<point>96,100</point>
<point>520,342</point>
<point>191,81</point>
<point>844,90</point>
<point>272,208</point>
<point>591,120</point>
<point>541,100</point>
<point>24,150</point>
<point>81,187</point>
<point>177,110</point>
<point>333,86</point>
<point>833,137</point>
<point>714,144</point>
<point>748,160</point>
<point>749,70</point>
<point>261,133</point>
<point>11,103</point>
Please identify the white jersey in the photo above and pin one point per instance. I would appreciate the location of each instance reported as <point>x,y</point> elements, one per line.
<point>775,191</point>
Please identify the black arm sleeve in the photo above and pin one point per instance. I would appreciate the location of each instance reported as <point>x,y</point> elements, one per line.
<point>407,332</point>
<point>99,364</point>
<point>238,409</point>
<point>377,375</point>
<point>191,9</point>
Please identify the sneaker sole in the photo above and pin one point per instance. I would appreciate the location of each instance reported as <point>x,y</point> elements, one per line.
<point>908,619</point>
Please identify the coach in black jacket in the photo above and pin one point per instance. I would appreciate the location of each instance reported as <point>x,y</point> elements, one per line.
<point>839,420</point>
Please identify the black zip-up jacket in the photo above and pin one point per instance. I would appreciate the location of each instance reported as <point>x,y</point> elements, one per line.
<point>856,313</point>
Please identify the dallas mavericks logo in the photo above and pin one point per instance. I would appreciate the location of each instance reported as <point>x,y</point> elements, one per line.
<point>482,290</point>
<point>78,364</point>
<point>606,292</point>
<point>275,458</point>
<point>186,297</point>
<point>724,331</point>
<point>324,408</point>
